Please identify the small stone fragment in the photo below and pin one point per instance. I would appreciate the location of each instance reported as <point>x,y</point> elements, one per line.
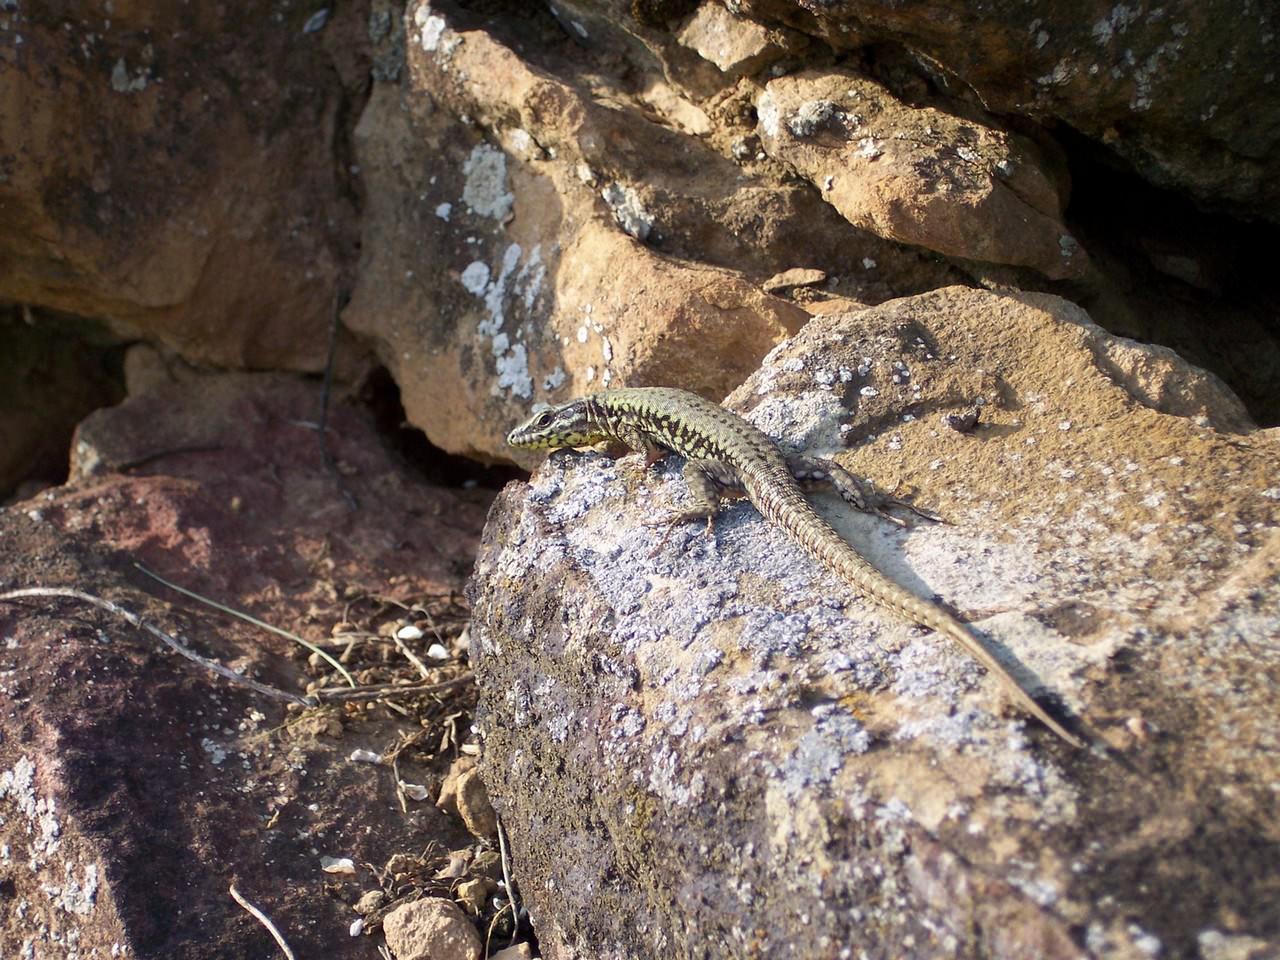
<point>487,863</point>
<point>369,901</point>
<point>409,632</point>
<point>736,45</point>
<point>474,807</point>
<point>962,422</point>
<point>520,951</point>
<point>448,798</point>
<point>431,929</point>
<point>365,756</point>
<point>795,277</point>
<point>474,894</point>
<point>414,791</point>
<point>337,865</point>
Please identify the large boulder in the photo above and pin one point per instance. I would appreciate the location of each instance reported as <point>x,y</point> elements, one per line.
<point>727,752</point>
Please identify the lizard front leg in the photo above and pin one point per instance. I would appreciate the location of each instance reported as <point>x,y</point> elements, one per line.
<point>859,494</point>
<point>708,481</point>
<point>635,439</point>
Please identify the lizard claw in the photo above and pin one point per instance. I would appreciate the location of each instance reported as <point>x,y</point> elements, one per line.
<point>671,524</point>
<point>892,500</point>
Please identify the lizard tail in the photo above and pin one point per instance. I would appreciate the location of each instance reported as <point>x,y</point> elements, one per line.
<point>834,553</point>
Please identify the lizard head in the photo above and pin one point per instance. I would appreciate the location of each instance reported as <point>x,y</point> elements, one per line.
<point>567,425</point>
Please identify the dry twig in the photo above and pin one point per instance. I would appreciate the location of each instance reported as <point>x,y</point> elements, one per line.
<point>174,645</point>
<point>263,919</point>
<point>240,614</point>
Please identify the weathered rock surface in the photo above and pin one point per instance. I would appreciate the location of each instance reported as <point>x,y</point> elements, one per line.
<point>728,754</point>
<point>200,208</point>
<point>535,231</point>
<point>432,929</point>
<point>1185,91</point>
<point>918,175</point>
<point>135,786</point>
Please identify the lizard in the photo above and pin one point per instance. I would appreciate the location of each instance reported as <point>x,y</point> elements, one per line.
<point>726,454</point>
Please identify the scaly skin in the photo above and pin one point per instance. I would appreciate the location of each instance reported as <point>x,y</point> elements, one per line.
<point>723,450</point>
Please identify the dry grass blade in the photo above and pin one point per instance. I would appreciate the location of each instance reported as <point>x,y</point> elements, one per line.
<point>174,645</point>
<point>240,614</point>
<point>375,691</point>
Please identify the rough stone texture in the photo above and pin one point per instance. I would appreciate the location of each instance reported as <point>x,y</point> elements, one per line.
<point>728,754</point>
<point>431,929</point>
<point>135,786</point>
<point>1185,90</point>
<point>534,232</point>
<point>918,175</point>
<point>736,45</point>
<point>206,209</point>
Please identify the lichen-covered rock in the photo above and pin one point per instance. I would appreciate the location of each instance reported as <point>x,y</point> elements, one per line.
<point>918,175</point>
<point>728,753</point>
<point>529,234</point>
<point>1185,91</point>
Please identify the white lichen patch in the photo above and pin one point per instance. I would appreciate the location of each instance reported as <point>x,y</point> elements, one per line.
<point>485,190</point>
<point>38,813</point>
<point>515,282</point>
<point>628,210</point>
<point>431,28</point>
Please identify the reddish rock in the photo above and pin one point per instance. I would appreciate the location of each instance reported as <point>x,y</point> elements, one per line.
<point>136,786</point>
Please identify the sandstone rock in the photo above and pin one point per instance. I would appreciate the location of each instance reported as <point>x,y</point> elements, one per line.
<point>1185,91</point>
<point>474,894</point>
<point>520,951</point>
<point>190,207</point>
<point>918,175</point>
<point>795,277</point>
<point>463,792</point>
<point>431,929</point>
<point>501,260</point>
<point>736,45</point>
<point>733,755</point>
<point>134,786</point>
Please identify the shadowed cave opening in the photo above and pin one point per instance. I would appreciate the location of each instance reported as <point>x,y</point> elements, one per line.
<point>1194,280</point>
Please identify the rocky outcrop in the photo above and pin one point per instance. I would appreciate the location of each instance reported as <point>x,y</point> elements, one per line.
<point>527,236</point>
<point>207,209</point>
<point>135,787</point>
<point>729,754</point>
<point>1184,91</point>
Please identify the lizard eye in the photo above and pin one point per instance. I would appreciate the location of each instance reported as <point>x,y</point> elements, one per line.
<point>544,420</point>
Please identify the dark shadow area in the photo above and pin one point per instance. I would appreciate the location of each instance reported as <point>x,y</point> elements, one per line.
<point>1190,279</point>
<point>381,395</point>
<point>55,370</point>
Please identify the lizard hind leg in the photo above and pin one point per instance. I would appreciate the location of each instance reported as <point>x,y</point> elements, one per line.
<point>859,494</point>
<point>707,481</point>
